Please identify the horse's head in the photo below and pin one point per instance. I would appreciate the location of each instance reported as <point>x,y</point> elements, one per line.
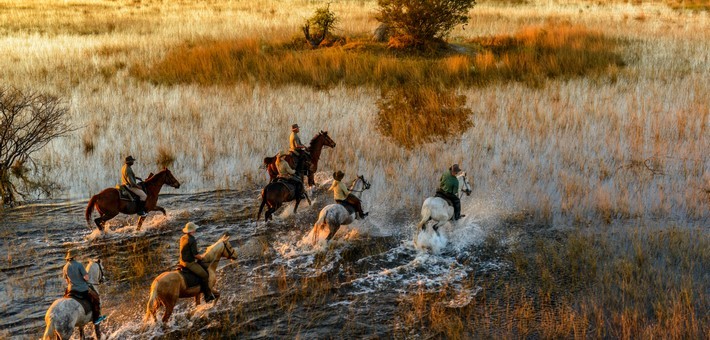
<point>365,183</point>
<point>463,184</point>
<point>325,139</point>
<point>170,179</point>
<point>228,252</point>
<point>96,272</point>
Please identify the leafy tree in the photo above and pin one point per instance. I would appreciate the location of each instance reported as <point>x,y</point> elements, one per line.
<point>420,23</point>
<point>316,27</point>
<point>28,121</point>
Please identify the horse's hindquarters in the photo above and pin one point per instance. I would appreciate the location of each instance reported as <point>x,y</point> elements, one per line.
<point>64,315</point>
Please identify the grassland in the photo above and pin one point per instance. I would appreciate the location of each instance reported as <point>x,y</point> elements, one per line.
<point>591,119</point>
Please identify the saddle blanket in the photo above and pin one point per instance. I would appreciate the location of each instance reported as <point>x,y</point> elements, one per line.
<point>349,207</point>
<point>84,303</point>
<point>126,195</point>
<point>191,280</point>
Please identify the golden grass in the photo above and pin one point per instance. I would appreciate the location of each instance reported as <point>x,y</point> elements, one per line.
<point>585,285</point>
<point>532,55</point>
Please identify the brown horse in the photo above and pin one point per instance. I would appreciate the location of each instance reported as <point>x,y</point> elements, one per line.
<point>275,194</point>
<point>168,287</point>
<point>108,203</point>
<point>314,149</point>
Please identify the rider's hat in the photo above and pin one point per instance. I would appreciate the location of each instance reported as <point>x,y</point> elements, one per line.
<point>455,168</point>
<point>294,126</point>
<point>130,159</point>
<point>189,227</point>
<point>72,253</point>
<point>338,175</point>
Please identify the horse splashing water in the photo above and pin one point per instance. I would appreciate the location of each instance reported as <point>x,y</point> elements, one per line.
<point>439,210</point>
<point>332,216</point>
<point>108,202</point>
<point>168,287</point>
<point>66,313</point>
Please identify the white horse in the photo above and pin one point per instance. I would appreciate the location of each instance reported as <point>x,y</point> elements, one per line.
<point>437,209</point>
<point>335,215</point>
<point>66,313</point>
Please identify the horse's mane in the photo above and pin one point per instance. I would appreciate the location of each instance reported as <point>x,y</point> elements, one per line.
<point>151,175</point>
<point>208,252</point>
<point>313,140</point>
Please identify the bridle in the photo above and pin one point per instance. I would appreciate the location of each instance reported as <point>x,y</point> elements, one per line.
<point>467,191</point>
<point>230,252</point>
<point>365,184</point>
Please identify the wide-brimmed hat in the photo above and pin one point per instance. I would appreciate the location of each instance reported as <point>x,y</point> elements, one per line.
<point>189,227</point>
<point>455,168</point>
<point>130,159</point>
<point>338,175</point>
<point>294,126</point>
<point>72,253</point>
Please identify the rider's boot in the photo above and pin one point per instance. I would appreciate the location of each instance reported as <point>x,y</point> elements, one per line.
<point>97,331</point>
<point>141,208</point>
<point>207,292</point>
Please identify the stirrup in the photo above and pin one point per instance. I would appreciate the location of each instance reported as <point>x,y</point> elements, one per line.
<point>100,318</point>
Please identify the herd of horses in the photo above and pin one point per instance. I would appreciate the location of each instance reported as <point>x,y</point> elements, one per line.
<point>66,313</point>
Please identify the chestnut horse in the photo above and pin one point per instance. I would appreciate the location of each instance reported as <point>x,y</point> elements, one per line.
<point>170,286</point>
<point>275,194</point>
<point>314,149</point>
<point>108,203</point>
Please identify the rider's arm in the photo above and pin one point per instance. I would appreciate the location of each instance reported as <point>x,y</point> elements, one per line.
<point>83,273</point>
<point>193,250</point>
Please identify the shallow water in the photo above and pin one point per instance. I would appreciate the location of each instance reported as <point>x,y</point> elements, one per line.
<point>285,283</point>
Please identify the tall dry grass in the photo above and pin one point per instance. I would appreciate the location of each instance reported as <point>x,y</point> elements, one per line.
<point>587,153</point>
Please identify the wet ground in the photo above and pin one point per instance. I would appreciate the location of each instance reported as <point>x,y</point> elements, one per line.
<point>286,283</point>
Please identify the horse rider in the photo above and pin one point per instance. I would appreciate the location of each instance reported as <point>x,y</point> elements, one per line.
<point>128,179</point>
<point>287,173</point>
<point>188,257</point>
<point>78,285</point>
<point>343,196</point>
<point>449,188</point>
<point>296,147</point>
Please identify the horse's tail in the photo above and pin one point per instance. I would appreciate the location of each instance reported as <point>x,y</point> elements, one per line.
<point>263,202</point>
<point>51,331</point>
<point>90,210</point>
<point>322,221</point>
<point>269,160</point>
<point>152,306</point>
<point>426,217</point>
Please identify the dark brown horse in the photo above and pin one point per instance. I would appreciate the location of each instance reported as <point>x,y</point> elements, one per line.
<point>314,149</point>
<point>275,194</point>
<point>108,203</point>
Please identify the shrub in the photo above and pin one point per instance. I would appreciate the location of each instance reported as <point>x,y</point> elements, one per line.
<point>422,23</point>
<point>316,28</point>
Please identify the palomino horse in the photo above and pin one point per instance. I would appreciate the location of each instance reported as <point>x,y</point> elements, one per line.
<point>66,313</point>
<point>108,203</point>
<point>437,209</point>
<point>168,287</point>
<point>335,215</point>
<point>314,149</point>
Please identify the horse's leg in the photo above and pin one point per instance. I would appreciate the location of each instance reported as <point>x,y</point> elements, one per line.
<point>105,218</point>
<point>81,332</point>
<point>197,299</point>
<point>333,230</point>
<point>161,209</point>
<point>295,207</point>
<point>169,305</point>
<point>99,223</point>
<point>140,223</point>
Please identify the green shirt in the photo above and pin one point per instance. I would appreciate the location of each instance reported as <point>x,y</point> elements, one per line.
<point>449,183</point>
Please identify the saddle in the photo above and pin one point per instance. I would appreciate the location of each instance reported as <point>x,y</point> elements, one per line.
<point>126,195</point>
<point>86,304</point>
<point>349,207</point>
<point>291,184</point>
<point>191,280</point>
<point>445,197</point>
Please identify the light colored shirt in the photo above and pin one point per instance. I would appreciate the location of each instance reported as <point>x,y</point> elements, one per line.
<point>74,273</point>
<point>340,191</point>
<point>128,178</point>
<point>283,167</point>
<point>294,141</point>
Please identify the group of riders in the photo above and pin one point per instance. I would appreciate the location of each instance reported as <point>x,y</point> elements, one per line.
<point>77,277</point>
